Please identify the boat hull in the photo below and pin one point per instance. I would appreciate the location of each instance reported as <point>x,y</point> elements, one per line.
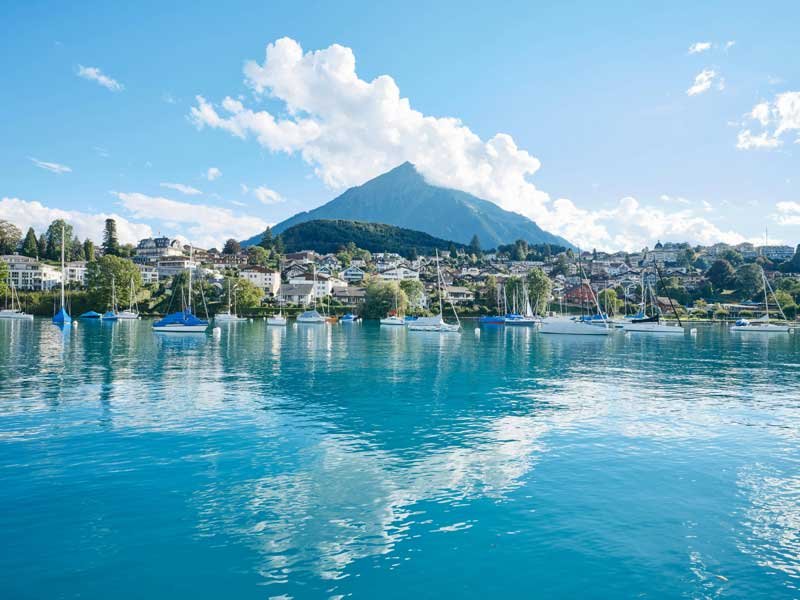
<point>393,321</point>
<point>761,328</point>
<point>570,327</point>
<point>181,328</point>
<point>312,321</point>
<point>15,315</point>
<point>127,316</point>
<point>276,321</point>
<point>653,328</point>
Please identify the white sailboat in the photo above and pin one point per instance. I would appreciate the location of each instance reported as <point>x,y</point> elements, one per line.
<point>132,312</point>
<point>312,316</point>
<point>763,324</point>
<point>12,312</point>
<point>653,324</point>
<point>278,320</point>
<point>229,316</point>
<point>561,325</point>
<point>436,322</point>
<point>395,319</point>
<point>527,319</point>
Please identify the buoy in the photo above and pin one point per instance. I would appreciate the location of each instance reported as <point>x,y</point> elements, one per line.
<point>216,331</point>
<point>477,331</point>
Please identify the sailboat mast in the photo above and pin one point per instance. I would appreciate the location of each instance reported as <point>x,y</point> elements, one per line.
<point>190,278</point>
<point>439,281</point>
<point>766,298</point>
<point>63,270</point>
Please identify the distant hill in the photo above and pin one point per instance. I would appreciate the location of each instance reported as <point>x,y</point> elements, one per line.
<point>403,198</point>
<point>326,236</point>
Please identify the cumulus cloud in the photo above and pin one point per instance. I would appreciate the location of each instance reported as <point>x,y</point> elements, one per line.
<point>183,189</point>
<point>50,166</point>
<point>699,47</point>
<point>24,214</point>
<point>204,225</point>
<point>702,82</point>
<point>213,173</point>
<point>266,195</point>
<point>350,130</point>
<point>788,213</point>
<point>95,74</point>
<point>776,121</point>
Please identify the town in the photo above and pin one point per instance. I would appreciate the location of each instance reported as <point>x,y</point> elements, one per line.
<point>719,281</point>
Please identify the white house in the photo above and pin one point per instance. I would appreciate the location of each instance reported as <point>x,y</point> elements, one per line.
<point>29,274</point>
<point>458,295</point>
<point>76,272</point>
<point>149,274</point>
<point>300,293</point>
<point>353,274</point>
<point>172,266</point>
<point>264,278</point>
<point>399,273</point>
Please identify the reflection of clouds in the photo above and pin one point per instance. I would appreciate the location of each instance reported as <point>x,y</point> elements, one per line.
<point>772,519</point>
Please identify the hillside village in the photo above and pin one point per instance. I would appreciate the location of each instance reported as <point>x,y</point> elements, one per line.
<point>719,279</point>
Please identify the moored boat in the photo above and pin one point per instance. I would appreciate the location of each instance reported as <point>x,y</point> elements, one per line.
<point>13,312</point>
<point>763,324</point>
<point>311,316</point>
<point>183,321</point>
<point>62,316</point>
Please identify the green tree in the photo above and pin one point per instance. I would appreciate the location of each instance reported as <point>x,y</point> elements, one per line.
<point>380,299</point>
<point>101,272</point>
<point>43,246</point>
<point>88,250</point>
<point>53,236</point>
<point>561,266</point>
<point>414,291</point>
<point>721,274</point>
<point>267,241</point>
<point>248,294</point>
<point>732,256</point>
<point>30,245</point>
<point>278,247</point>
<point>231,247</point>
<point>793,264</point>
<point>539,287</point>
<point>491,296</point>
<point>475,245</point>
<point>75,250</point>
<point>748,280</point>
<point>257,255</point>
<point>110,239</point>
<point>609,301</point>
<point>10,236</point>
<point>5,276</point>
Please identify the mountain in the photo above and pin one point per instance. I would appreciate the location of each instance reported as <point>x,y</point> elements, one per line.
<point>403,198</point>
<point>326,236</point>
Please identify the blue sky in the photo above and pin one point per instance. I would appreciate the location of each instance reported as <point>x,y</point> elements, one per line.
<point>606,146</point>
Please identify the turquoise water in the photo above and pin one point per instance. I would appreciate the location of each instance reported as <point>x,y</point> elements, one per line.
<point>351,461</point>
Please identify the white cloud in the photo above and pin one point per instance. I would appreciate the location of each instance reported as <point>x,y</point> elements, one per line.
<point>50,166</point>
<point>699,47</point>
<point>183,189</point>
<point>350,130</point>
<point>788,213</point>
<point>244,188</point>
<point>266,195</point>
<point>729,44</point>
<point>777,119</point>
<point>24,214</point>
<point>204,225</point>
<point>95,74</point>
<point>213,173</point>
<point>702,82</point>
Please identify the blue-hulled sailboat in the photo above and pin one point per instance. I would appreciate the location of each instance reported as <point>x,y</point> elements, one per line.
<point>183,321</point>
<point>62,316</point>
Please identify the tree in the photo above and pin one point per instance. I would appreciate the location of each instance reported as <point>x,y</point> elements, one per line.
<point>475,245</point>
<point>491,297</point>
<point>88,250</point>
<point>5,276</point>
<point>54,232</point>
<point>380,299</point>
<point>793,264</point>
<point>414,291</point>
<point>721,274</point>
<point>749,280</point>
<point>43,246</point>
<point>110,240</point>
<point>231,247</point>
<point>248,294</point>
<point>539,287</point>
<point>561,266</point>
<point>75,250</point>
<point>267,241</point>
<point>452,249</point>
<point>278,246</point>
<point>257,255</point>
<point>609,302</point>
<point>30,245</point>
<point>101,272</point>
<point>787,303</point>
<point>10,236</point>
<point>732,256</point>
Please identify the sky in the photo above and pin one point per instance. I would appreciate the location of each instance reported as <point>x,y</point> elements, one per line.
<point>615,125</point>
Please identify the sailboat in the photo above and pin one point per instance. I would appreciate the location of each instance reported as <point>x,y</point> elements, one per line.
<point>394,319</point>
<point>14,313</point>
<point>571,326</point>
<point>278,320</point>
<point>183,321</point>
<point>111,314</point>
<point>653,323</point>
<point>132,312</point>
<point>527,318</point>
<point>229,316</point>
<point>763,324</point>
<point>62,316</point>
<point>436,322</point>
<point>498,319</point>
<point>312,316</point>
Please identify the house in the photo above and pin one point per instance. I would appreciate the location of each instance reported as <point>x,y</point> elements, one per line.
<point>579,294</point>
<point>29,274</point>
<point>304,257</point>
<point>349,294</point>
<point>776,253</point>
<point>398,273</point>
<point>299,293</point>
<point>76,272</point>
<point>149,274</point>
<point>353,274</point>
<point>167,267</point>
<point>268,280</point>
<point>295,270</point>
<point>322,287</point>
<point>458,294</point>
<point>151,250</point>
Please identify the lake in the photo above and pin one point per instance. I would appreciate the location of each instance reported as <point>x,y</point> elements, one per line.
<point>354,461</point>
